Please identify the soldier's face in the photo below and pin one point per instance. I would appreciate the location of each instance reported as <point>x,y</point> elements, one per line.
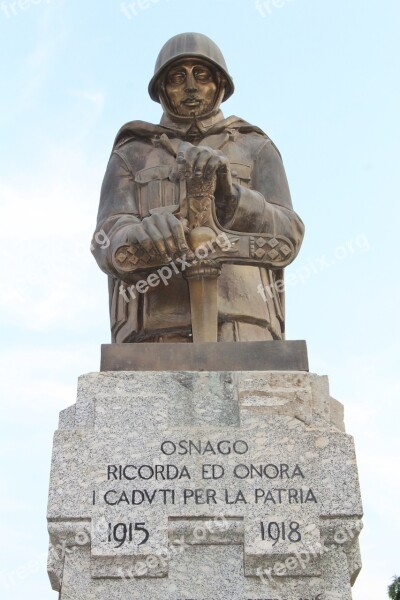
<point>191,88</point>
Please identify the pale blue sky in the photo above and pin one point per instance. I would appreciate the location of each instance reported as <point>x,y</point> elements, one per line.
<point>321,77</point>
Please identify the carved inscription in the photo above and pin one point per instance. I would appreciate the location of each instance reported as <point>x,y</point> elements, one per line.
<point>205,478</point>
<point>276,484</point>
<point>124,532</point>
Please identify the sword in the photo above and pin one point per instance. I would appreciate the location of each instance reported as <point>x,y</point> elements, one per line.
<point>196,199</point>
<point>202,275</point>
<point>203,291</point>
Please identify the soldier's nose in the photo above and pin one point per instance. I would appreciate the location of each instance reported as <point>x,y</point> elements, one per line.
<point>191,86</point>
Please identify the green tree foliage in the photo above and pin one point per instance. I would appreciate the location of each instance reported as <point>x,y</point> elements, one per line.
<point>394,589</point>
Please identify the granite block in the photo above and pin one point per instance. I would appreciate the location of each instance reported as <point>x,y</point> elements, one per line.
<point>204,486</point>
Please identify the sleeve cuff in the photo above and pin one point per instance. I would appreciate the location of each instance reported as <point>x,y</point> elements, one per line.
<point>250,211</point>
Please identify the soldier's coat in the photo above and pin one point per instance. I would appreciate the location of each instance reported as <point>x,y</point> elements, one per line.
<point>137,180</point>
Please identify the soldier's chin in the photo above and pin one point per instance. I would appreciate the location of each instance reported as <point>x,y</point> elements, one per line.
<point>193,111</point>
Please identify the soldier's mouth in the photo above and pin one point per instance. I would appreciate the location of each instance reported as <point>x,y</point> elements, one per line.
<point>192,102</point>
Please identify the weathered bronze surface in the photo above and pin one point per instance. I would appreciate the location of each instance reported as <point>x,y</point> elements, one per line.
<point>247,356</point>
<point>195,223</point>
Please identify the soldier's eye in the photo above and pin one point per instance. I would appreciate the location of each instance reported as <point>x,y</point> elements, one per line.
<point>177,77</point>
<point>202,74</point>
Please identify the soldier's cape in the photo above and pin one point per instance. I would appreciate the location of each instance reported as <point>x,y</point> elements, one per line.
<point>139,130</point>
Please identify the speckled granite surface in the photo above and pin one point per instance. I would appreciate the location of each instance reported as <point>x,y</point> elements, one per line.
<point>203,486</point>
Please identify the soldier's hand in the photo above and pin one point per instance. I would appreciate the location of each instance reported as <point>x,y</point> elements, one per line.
<point>160,234</point>
<point>204,162</point>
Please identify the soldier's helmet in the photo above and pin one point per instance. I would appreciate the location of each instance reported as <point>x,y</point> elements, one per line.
<point>190,45</point>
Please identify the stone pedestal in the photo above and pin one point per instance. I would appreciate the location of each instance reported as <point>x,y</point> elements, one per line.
<point>203,486</point>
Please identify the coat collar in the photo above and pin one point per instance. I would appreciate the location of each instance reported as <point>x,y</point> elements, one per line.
<point>196,127</point>
<point>136,130</point>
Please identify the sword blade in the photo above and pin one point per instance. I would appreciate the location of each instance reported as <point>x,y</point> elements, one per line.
<point>203,292</point>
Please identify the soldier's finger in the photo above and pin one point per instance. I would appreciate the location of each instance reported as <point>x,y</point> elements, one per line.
<point>214,164</point>
<point>201,162</point>
<point>147,244</point>
<point>178,233</point>
<point>191,156</point>
<point>138,235</point>
<point>181,158</point>
<point>183,148</point>
<point>152,234</point>
<point>162,224</point>
<point>181,165</point>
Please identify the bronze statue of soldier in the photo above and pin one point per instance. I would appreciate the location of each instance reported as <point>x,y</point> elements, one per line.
<point>196,213</point>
